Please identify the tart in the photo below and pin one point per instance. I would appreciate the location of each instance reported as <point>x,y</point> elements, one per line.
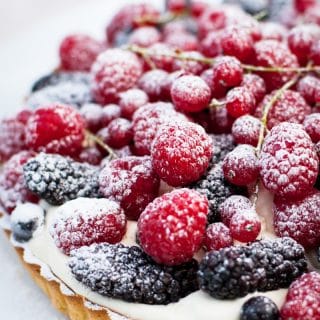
<point>172,170</point>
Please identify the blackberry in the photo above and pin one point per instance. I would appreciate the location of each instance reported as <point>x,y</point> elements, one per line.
<point>127,273</point>
<point>259,308</point>
<point>264,265</point>
<point>222,145</point>
<point>57,179</point>
<point>214,186</point>
<point>55,78</point>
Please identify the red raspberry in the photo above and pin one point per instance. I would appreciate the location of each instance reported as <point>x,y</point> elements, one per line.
<point>78,52</point>
<point>237,42</point>
<point>146,122</point>
<point>109,113</point>
<point>312,126</point>
<point>145,36</point>
<point>227,72</point>
<point>91,155</point>
<point>231,206</point>
<point>271,53</point>
<point>183,41</point>
<point>289,107</point>
<point>190,94</point>
<point>273,31</point>
<point>303,5</point>
<point>160,56</point>
<point>211,20</point>
<point>55,129</point>
<point>189,66</point>
<point>131,101</point>
<point>210,46</point>
<point>288,161</point>
<point>299,219</point>
<point>171,228</point>
<point>240,101</point>
<point>152,83</point>
<point>217,237</point>
<point>315,52</point>
<point>12,185</point>
<point>255,84</point>
<point>246,130</point>
<point>114,71</point>
<point>245,225</point>
<point>220,121</point>
<point>181,153</point>
<point>132,182</point>
<point>301,39</point>
<point>240,166</point>
<point>303,298</point>
<point>84,221</point>
<point>307,87</point>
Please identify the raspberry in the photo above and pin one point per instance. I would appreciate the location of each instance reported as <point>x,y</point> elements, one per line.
<point>222,145</point>
<point>303,298</point>
<point>303,5</point>
<point>91,155</point>
<point>145,36</point>
<point>92,114</point>
<point>237,42</point>
<point>246,130</point>
<point>190,94</point>
<point>183,41</point>
<point>189,66</point>
<point>273,31</point>
<point>299,219</point>
<point>161,223</point>
<point>144,282</point>
<point>220,121</point>
<point>231,206</point>
<point>211,20</point>
<point>217,236</point>
<point>301,39</point>
<point>132,182</point>
<point>272,53</point>
<point>210,46</point>
<point>78,52</point>
<point>259,308</point>
<point>307,87</point>
<point>240,101</point>
<point>288,161</point>
<point>55,129</point>
<point>82,222</point>
<point>264,265</point>
<point>160,56</point>
<point>245,225</point>
<point>312,126</point>
<point>240,166</point>
<point>13,188</point>
<point>227,72</point>
<point>289,107</point>
<point>146,122</point>
<point>315,52</point>
<point>181,153</point>
<point>114,71</point>
<point>152,83</point>
<point>131,100</point>
<point>255,84</point>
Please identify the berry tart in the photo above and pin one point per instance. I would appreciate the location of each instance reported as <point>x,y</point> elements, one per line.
<point>171,171</point>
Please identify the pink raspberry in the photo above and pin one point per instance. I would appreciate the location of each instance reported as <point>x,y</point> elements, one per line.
<point>189,66</point>
<point>217,236</point>
<point>152,83</point>
<point>245,225</point>
<point>240,101</point>
<point>255,84</point>
<point>303,298</point>
<point>181,153</point>
<point>84,221</point>
<point>55,129</point>
<point>240,166</point>
<point>308,87</point>
<point>114,71</point>
<point>132,182</point>
<point>190,94</point>
<point>246,129</point>
<point>231,206</point>
<point>172,227</point>
<point>289,107</point>
<point>78,52</point>
<point>145,36</point>
<point>183,41</point>
<point>12,184</point>
<point>146,122</point>
<point>312,126</point>
<point>288,161</point>
<point>131,100</point>
<point>272,53</point>
<point>299,219</point>
<point>210,46</point>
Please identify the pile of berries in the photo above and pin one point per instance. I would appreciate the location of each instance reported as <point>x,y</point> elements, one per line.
<point>181,126</point>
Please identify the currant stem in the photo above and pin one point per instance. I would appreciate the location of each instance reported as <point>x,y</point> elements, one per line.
<point>92,137</point>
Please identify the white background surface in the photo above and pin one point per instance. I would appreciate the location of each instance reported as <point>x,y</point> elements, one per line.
<point>30,31</point>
